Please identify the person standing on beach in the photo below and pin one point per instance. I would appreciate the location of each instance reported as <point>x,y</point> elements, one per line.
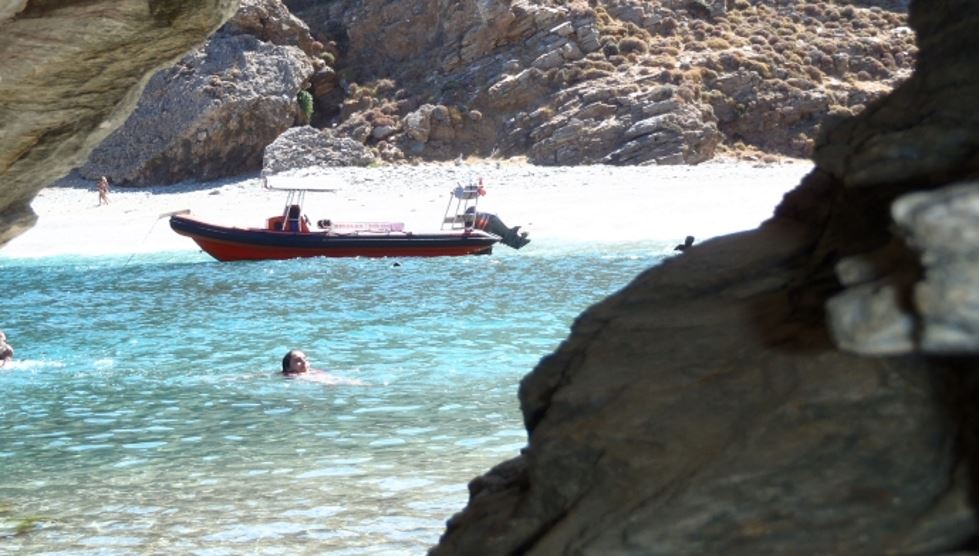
<point>103,190</point>
<point>6,350</point>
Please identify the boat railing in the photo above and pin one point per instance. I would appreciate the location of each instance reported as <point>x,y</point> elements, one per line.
<point>460,213</point>
<point>466,219</point>
<point>467,192</point>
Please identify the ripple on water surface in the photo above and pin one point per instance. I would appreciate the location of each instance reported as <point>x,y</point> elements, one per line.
<point>144,413</point>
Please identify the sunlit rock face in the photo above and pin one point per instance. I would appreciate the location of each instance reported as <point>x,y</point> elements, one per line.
<point>212,113</point>
<point>605,81</point>
<point>808,387</point>
<point>305,147</point>
<point>70,73</point>
<point>911,148</point>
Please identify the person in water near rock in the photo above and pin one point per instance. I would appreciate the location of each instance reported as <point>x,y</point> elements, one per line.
<point>6,350</point>
<point>687,243</point>
<point>295,364</point>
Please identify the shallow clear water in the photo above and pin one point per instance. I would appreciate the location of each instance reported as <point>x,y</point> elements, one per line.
<point>144,414</point>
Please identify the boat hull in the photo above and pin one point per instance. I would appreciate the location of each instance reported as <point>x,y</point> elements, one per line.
<point>239,244</point>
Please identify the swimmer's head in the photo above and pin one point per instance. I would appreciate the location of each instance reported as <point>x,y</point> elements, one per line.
<point>295,362</point>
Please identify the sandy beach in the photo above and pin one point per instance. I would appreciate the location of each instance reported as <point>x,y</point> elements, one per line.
<point>555,204</point>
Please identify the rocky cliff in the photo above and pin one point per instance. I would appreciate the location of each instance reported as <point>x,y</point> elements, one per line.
<point>70,73</point>
<point>611,81</point>
<point>808,387</point>
<point>213,112</point>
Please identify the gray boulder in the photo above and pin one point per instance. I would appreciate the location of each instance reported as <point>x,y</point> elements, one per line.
<point>890,309</point>
<point>270,21</point>
<point>209,116</point>
<point>305,147</point>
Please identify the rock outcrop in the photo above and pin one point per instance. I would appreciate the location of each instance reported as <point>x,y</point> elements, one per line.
<point>924,137</point>
<point>702,411</point>
<point>736,400</point>
<point>270,21</point>
<point>212,114</point>
<point>307,147</point>
<point>510,79</point>
<point>71,73</point>
<point>943,227</point>
<point>577,83</point>
<point>613,82</point>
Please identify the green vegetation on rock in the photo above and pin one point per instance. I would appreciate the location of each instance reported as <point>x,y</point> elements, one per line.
<point>305,100</point>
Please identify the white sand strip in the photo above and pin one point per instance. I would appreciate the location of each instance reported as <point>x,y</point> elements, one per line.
<point>582,203</point>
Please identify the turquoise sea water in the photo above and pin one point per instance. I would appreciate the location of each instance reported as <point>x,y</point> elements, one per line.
<point>143,414</point>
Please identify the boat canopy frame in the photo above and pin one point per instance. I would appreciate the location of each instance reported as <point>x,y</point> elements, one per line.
<point>466,199</point>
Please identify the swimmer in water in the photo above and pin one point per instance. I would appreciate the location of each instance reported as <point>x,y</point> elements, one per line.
<point>295,364</point>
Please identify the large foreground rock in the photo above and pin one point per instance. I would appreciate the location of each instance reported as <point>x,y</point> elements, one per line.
<point>72,72</point>
<point>708,409</point>
<point>701,412</point>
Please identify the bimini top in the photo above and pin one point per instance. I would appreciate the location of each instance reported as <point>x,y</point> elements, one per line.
<point>297,183</point>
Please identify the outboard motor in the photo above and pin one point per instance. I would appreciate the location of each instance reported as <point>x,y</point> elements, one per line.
<point>512,237</point>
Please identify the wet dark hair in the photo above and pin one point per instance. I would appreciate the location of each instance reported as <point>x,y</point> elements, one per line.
<point>287,360</point>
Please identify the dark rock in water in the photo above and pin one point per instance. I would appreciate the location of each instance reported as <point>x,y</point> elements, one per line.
<point>702,410</point>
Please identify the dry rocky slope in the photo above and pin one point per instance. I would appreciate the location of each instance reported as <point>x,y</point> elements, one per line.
<point>806,387</point>
<point>611,81</point>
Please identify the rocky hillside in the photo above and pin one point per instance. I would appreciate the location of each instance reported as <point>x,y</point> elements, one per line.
<point>557,82</point>
<point>618,81</point>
